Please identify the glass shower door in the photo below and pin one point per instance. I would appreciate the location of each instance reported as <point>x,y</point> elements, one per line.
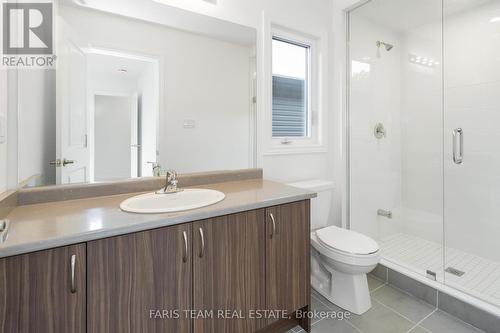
<point>396,131</point>
<point>472,147</point>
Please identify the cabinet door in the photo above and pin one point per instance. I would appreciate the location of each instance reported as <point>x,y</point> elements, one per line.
<point>137,282</point>
<point>229,263</point>
<point>44,292</point>
<point>287,265</point>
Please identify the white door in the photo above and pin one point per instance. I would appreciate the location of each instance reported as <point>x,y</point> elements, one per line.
<point>115,137</point>
<point>73,157</point>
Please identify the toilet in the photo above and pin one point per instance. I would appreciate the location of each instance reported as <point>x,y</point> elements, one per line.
<point>340,258</point>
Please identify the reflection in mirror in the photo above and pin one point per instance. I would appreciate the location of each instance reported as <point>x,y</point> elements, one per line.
<point>130,94</point>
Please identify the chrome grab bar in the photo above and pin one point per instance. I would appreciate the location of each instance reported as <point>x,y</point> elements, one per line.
<point>458,146</point>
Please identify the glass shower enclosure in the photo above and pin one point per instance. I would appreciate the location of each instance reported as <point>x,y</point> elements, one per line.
<point>424,138</point>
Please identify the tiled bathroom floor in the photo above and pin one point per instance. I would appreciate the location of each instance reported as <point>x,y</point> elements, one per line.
<point>393,311</point>
<point>481,278</point>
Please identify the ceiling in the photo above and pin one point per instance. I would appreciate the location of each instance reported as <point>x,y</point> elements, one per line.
<point>172,17</point>
<point>111,64</point>
<point>405,15</point>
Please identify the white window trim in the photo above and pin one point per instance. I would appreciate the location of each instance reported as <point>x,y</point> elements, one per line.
<point>315,142</point>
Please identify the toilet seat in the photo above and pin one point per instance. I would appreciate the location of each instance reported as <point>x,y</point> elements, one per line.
<point>346,241</point>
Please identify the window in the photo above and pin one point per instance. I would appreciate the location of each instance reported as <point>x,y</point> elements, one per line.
<point>294,121</point>
<point>291,66</point>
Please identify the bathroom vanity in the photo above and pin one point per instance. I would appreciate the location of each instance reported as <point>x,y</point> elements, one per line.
<point>85,266</point>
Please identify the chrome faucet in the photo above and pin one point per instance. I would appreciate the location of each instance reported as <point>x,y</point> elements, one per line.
<point>156,168</point>
<point>170,183</point>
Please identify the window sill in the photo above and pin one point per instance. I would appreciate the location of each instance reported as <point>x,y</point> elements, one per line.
<point>294,150</point>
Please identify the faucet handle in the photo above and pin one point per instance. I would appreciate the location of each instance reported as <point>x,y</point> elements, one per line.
<point>172,175</point>
<point>156,168</point>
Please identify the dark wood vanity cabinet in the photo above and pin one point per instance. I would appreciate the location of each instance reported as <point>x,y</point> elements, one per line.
<point>229,272</point>
<point>44,292</point>
<point>162,280</point>
<point>288,258</point>
<point>136,282</point>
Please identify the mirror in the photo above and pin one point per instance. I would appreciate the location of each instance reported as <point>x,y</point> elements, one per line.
<point>133,89</point>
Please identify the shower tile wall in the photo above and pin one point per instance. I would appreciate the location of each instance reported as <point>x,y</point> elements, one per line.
<point>374,97</point>
<point>422,131</point>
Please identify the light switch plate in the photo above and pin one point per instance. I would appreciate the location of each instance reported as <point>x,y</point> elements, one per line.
<point>189,123</point>
<point>3,128</point>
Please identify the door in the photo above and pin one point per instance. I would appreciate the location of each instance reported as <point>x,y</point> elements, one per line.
<point>44,291</point>
<point>115,130</point>
<point>140,282</point>
<point>287,254</point>
<point>73,157</point>
<point>229,263</point>
<point>472,151</point>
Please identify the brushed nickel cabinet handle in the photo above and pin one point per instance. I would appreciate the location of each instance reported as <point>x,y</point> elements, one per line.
<point>202,240</point>
<point>184,237</point>
<point>73,265</point>
<point>273,221</point>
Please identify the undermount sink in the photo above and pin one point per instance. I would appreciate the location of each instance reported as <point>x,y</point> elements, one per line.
<point>171,202</point>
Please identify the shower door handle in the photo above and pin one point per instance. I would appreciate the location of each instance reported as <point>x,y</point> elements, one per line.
<point>458,146</point>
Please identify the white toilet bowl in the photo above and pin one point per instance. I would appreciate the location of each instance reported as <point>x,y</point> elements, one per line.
<point>340,260</point>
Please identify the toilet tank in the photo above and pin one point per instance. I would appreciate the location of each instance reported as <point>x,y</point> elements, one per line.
<point>321,205</point>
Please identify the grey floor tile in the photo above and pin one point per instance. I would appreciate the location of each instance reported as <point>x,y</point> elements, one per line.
<point>319,303</point>
<point>380,319</point>
<point>323,303</point>
<point>374,282</point>
<point>333,326</point>
<point>404,304</point>
<point>419,329</point>
<point>441,322</point>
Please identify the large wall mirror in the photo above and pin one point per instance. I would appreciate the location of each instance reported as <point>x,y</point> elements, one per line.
<point>135,85</point>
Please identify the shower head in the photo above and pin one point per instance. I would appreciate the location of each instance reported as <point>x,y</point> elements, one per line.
<point>387,46</point>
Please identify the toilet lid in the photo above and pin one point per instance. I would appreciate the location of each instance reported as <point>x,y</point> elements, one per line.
<point>347,241</point>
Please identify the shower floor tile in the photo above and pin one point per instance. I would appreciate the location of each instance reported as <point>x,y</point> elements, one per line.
<point>481,276</point>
